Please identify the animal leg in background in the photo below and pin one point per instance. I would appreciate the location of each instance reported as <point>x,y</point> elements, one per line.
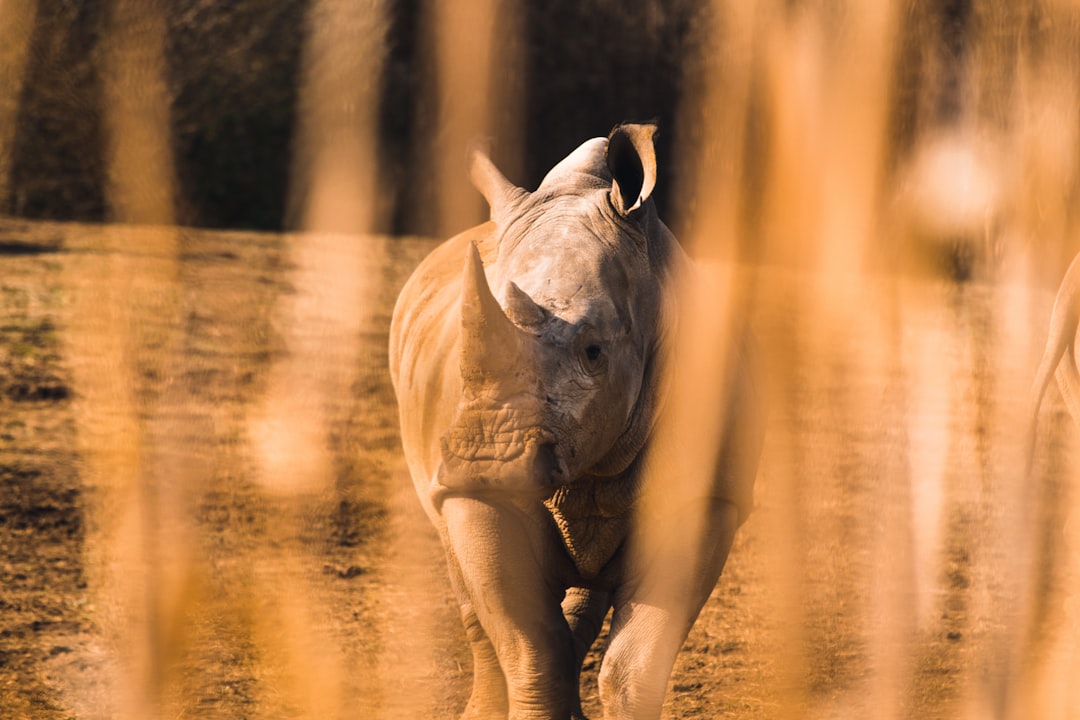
<point>1059,357</point>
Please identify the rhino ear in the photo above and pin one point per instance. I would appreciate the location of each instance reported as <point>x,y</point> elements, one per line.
<point>501,194</point>
<point>631,158</point>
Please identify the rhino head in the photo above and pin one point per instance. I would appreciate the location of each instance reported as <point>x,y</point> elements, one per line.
<point>556,362</point>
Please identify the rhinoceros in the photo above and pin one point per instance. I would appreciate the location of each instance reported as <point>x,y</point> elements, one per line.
<point>529,357</point>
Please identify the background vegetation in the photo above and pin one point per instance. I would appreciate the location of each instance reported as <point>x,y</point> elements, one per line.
<point>233,75</point>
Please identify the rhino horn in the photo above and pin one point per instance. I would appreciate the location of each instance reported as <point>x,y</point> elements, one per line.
<point>488,338</point>
<point>522,309</point>
<point>501,194</point>
<point>631,158</point>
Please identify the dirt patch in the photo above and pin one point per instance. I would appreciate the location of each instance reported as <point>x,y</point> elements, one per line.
<point>44,608</point>
<point>148,566</point>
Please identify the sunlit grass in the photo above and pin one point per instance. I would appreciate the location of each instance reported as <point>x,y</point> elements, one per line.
<point>896,261</point>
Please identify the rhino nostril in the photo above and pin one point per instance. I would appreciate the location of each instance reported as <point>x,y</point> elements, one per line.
<point>546,465</point>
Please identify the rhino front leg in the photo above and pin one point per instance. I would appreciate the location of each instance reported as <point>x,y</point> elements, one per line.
<point>656,608</point>
<point>506,563</point>
<point>488,698</point>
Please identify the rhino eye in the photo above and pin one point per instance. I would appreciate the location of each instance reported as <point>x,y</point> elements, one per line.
<point>589,351</point>
<point>592,358</point>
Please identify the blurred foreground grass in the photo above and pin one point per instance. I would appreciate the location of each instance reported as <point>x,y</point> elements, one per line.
<point>151,568</point>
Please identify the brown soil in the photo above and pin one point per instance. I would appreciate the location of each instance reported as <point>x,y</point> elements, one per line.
<point>148,570</point>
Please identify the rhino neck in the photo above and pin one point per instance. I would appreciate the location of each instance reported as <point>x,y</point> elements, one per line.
<point>593,517</point>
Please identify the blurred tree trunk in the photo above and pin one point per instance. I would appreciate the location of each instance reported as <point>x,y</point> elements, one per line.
<point>56,167</point>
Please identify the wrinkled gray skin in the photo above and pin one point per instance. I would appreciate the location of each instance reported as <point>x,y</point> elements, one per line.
<point>525,415</point>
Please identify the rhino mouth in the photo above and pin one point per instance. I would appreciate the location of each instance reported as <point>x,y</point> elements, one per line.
<point>500,450</point>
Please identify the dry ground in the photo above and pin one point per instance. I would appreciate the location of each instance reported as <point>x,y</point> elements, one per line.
<point>149,568</point>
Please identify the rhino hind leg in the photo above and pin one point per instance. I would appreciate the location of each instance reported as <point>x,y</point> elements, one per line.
<point>585,611</point>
